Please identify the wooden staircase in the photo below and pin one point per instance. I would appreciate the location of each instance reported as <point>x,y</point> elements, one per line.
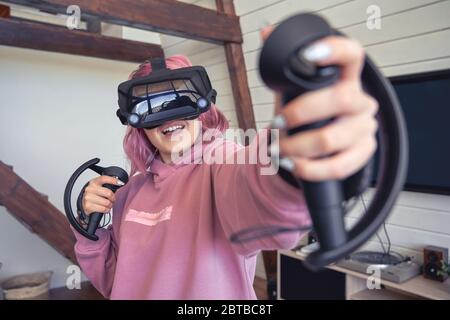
<point>33,210</point>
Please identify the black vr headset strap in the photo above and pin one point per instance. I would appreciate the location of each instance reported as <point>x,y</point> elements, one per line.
<point>158,64</point>
<point>121,117</point>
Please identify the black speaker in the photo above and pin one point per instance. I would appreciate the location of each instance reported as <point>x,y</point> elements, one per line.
<point>432,262</point>
<point>299,283</point>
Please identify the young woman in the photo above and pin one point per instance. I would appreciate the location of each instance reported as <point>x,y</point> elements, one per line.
<point>172,221</point>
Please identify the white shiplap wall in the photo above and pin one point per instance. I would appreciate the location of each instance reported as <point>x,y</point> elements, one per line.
<point>414,37</point>
<point>212,57</point>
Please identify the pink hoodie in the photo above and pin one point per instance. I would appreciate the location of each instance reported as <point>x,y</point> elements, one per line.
<point>171,226</point>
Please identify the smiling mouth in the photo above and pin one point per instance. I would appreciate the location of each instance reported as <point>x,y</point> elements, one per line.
<point>172,129</point>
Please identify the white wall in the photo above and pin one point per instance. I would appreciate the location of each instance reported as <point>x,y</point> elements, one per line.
<point>414,37</point>
<point>57,111</point>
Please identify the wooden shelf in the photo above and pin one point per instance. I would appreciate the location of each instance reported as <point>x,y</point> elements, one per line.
<point>418,287</point>
<point>383,294</point>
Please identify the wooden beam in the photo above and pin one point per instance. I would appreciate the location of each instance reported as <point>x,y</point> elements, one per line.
<point>238,75</point>
<point>270,263</point>
<point>33,35</point>
<point>33,210</point>
<point>164,16</point>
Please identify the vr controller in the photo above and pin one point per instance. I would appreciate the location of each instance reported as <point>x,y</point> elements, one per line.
<point>283,68</point>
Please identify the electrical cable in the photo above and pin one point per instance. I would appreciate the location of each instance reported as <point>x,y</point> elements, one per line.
<point>378,236</point>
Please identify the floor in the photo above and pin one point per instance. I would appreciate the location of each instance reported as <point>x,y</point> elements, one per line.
<point>88,292</point>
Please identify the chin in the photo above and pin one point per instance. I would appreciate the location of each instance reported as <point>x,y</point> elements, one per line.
<point>177,147</point>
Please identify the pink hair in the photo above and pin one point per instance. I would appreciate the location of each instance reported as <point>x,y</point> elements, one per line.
<point>138,148</point>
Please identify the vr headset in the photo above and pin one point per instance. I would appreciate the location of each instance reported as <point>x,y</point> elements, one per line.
<point>165,95</point>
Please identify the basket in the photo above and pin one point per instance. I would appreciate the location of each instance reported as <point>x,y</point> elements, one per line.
<point>32,286</point>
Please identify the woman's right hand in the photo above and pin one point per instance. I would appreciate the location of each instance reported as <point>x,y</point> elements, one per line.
<point>97,198</point>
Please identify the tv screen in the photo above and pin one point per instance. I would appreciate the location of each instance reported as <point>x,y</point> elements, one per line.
<point>425,100</point>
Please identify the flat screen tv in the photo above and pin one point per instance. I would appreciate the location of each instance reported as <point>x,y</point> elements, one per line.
<point>425,100</point>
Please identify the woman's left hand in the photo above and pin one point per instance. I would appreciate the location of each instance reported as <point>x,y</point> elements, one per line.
<point>349,141</point>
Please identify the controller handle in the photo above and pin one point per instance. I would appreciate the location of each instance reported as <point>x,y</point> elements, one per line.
<point>95,217</point>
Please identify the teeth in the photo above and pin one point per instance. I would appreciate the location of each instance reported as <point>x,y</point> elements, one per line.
<point>171,129</point>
